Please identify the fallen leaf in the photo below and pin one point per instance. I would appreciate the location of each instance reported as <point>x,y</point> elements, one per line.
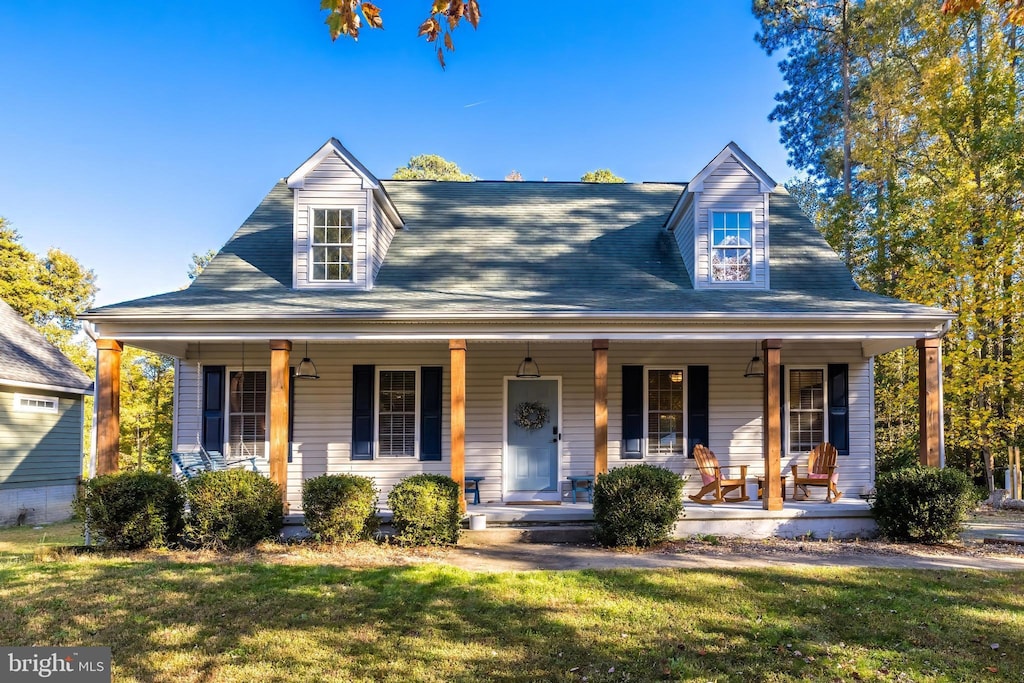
<point>992,669</point>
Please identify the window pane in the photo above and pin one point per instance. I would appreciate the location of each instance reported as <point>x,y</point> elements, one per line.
<point>319,217</point>
<point>319,235</point>
<point>396,419</point>
<point>345,272</point>
<point>346,217</point>
<point>665,411</point>
<point>745,220</point>
<point>247,414</point>
<point>345,236</point>
<point>332,217</point>
<point>319,272</point>
<point>319,254</point>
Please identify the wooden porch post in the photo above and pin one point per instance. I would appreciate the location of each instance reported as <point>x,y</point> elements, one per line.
<point>457,349</point>
<point>772,497</point>
<point>600,347</point>
<point>280,356</point>
<point>929,369</point>
<point>108,405</point>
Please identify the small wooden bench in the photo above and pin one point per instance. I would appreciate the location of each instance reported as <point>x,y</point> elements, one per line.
<point>473,486</point>
<point>582,482</point>
<point>760,486</point>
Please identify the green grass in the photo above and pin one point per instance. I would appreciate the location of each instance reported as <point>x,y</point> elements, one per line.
<point>290,614</point>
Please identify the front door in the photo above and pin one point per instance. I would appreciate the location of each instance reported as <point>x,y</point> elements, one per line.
<point>532,424</point>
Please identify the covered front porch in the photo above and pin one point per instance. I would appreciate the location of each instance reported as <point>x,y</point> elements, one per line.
<point>315,427</point>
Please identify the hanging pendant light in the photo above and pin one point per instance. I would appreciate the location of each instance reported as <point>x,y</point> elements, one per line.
<point>307,368</point>
<point>528,368</point>
<point>755,368</point>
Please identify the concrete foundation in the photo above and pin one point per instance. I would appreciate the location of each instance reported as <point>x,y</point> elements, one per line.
<point>36,505</point>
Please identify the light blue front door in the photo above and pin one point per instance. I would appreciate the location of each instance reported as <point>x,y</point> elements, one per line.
<point>533,452</point>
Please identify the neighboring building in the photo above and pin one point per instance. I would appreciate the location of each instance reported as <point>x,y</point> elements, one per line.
<point>642,305</point>
<point>41,394</point>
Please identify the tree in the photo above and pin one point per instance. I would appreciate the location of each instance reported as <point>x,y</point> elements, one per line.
<point>147,389</point>
<point>345,17</point>
<point>199,262</point>
<point>601,175</point>
<point>1014,8</point>
<point>49,292</point>
<point>431,167</point>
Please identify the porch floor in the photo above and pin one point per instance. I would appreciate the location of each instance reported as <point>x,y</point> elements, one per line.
<point>847,518</point>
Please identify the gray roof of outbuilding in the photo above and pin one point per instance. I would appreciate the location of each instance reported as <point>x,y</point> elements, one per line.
<point>26,357</point>
<point>519,247</point>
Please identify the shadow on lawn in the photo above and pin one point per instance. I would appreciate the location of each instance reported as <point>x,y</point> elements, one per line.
<point>167,620</point>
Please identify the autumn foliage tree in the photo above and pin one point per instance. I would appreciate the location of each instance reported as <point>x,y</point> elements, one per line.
<point>601,175</point>
<point>346,17</point>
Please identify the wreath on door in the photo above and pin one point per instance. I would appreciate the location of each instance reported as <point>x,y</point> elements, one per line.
<point>531,415</point>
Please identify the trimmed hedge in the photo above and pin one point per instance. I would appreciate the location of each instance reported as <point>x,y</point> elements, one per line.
<point>340,507</point>
<point>922,504</point>
<point>426,510</point>
<point>232,509</point>
<point>636,505</point>
<point>132,510</point>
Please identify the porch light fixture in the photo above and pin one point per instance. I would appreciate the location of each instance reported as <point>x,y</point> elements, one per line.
<point>755,368</point>
<point>307,368</point>
<point>528,368</point>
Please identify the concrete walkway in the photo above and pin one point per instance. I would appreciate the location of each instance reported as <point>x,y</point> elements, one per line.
<point>503,552</point>
<point>502,557</point>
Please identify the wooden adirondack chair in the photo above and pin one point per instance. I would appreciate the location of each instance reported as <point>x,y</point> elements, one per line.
<point>821,471</point>
<point>714,482</point>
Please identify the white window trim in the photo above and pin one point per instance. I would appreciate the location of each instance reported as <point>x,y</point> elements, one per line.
<point>309,246</point>
<point>22,408</point>
<point>647,412</point>
<point>226,440</point>
<point>745,284</point>
<point>785,400</point>
<point>376,412</point>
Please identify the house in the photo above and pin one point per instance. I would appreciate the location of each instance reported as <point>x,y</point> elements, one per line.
<point>522,332</point>
<point>41,413</point>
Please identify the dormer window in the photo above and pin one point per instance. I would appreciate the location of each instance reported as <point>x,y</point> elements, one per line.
<point>731,246</point>
<point>331,246</point>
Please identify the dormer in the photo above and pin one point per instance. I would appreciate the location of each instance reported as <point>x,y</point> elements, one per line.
<point>343,221</point>
<point>721,223</point>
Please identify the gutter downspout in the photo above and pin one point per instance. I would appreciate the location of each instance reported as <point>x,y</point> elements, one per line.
<point>90,330</point>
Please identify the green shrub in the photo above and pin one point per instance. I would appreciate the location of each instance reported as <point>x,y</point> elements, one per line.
<point>922,504</point>
<point>340,507</point>
<point>426,510</point>
<point>233,508</point>
<point>132,509</point>
<point>636,505</point>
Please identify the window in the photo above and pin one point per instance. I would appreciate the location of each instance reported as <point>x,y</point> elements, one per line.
<point>665,412</point>
<point>806,409</point>
<point>28,403</point>
<point>731,240</point>
<point>331,258</point>
<point>396,413</point>
<point>247,414</point>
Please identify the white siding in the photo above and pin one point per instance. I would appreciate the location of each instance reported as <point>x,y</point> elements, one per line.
<point>684,233</point>
<point>332,185</point>
<point>730,187</point>
<point>383,233</point>
<point>323,408</point>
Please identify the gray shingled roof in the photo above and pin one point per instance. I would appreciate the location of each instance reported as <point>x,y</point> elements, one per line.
<point>25,356</point>
<point>520,247</point>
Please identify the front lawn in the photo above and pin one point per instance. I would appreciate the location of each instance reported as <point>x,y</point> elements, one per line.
<point>286,614</point>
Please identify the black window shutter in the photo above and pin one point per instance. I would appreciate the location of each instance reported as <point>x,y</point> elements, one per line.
<point>632,412</point>
<point>839,407</point>
<point>213,407</point>
<point>291,411</point>
<point>362,412</point>
<point>782,407</point>
<point>430,413</point>
<point>697,425</point>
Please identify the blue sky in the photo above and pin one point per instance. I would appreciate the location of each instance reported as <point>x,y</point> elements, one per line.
<point>134,134</point>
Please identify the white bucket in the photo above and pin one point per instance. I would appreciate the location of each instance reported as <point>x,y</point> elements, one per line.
<point>477,522</point>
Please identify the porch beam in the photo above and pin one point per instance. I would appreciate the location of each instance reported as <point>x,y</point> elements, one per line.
<point>929,400</point>
<point>600,347</point>
<point>457,350</point>
<point>280,358</point>
<point>772,496</point>
<point>108,405</point>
